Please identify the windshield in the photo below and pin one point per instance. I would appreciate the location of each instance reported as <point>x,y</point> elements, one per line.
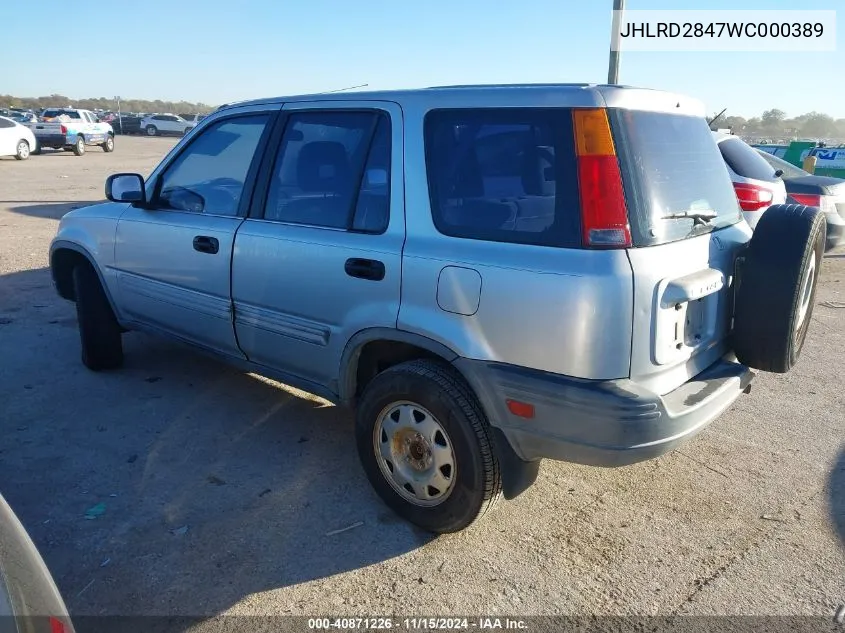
<point>672,167</point>
<point>789,170</point>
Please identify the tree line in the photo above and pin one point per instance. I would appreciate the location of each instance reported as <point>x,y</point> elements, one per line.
<point>105,103</point>
<point>775,123</point>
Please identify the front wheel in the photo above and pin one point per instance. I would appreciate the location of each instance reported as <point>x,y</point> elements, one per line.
<point>426,446</point>
<point>22,150</point>
<point>108,145</point>
<point>79,146</point>
<point>152,130</point>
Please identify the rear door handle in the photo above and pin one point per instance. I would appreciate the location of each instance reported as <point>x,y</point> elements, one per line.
<point>205,244</point>
<point>365,268</point>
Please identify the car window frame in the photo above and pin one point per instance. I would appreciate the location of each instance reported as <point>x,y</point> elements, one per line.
<point>269,165</point>
<point>155,181</point>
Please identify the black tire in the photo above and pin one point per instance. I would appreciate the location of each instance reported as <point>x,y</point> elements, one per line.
<point>37,149</point>
<point>775,295</point>
<point>108,145</point>
<point>151,130</point>
<point>79,146</point>
<point>442,391</point>
<point>99,331</point>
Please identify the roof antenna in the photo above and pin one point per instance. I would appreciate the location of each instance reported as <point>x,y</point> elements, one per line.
<point>715,118</point>
<point>342,89</point>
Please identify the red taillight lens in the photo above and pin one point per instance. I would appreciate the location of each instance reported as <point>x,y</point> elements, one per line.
<point>521,409</point>
<point>809,199</point>
<point>64,129</point>
<point>604,215</point>
<point>752,197</point>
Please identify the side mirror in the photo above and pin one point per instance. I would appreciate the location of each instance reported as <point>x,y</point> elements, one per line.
<point>125,188</point>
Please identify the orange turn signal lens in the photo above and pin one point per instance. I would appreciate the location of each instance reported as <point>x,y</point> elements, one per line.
<point>592,132</point>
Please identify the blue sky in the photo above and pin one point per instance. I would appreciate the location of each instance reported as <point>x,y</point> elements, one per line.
<point>217,52</point>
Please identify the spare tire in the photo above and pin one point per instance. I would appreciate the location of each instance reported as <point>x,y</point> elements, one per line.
<point>776,287</point>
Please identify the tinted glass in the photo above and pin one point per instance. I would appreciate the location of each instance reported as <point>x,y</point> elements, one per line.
<point>506,175</point>
<point>209,175</point>
<point>671,165</point>
<point>789,170</point>
<point>319,167</point>
<point>745,161</point>
<point>6,123</point>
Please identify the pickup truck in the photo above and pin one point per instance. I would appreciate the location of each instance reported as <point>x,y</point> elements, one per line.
<point>71,129</point>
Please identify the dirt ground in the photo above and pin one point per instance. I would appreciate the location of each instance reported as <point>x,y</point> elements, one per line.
<point>223,491</point>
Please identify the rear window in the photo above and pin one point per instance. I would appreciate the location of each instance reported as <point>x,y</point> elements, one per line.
<point>745,161</point>
<point>505,175</point>
<point>671,166</point>
<point>789,170</point>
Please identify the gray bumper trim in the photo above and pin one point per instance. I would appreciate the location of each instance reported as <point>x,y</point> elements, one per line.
<point>601,423</point>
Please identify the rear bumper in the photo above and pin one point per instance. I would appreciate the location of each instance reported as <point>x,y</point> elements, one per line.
<point>601,423</point>
<point>51,140</point>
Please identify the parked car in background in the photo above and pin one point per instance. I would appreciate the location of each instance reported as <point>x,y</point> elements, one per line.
<point>756,185</point>
<point>15,139</point>
<point>29,599</point>
<point>72,129</point>
<point>830,161</point>
<point>24,117</point>
<point>825,192</point>
<point>488,280</point>
<point>158,124</point>
<point>126,124</point>
<point>193,118</point>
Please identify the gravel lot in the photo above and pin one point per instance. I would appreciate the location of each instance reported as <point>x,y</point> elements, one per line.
<point>748,518</point>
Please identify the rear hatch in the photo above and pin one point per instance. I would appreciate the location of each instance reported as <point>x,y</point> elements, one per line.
<point>686,233</point>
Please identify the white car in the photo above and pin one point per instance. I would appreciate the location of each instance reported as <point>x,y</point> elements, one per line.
<point>15,139</point>
<point>756,184</point>
<point>166,124</point>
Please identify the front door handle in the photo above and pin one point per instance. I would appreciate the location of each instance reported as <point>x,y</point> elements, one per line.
<point>365,268</point>
<point>205,244</point>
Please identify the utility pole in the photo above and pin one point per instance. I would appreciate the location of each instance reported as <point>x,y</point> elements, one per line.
<point>613,66</point>
<point>119,118</point>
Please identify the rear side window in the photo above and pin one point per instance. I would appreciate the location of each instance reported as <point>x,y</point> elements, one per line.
<point>671,166</point>
<point>504,175</point>
<point>745,161</point>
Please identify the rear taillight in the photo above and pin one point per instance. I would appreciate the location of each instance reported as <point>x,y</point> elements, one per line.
<point>604,215</point>
<point>826,203</point>
<point>64,129</point>
<point>753,197</point>
<point>808,199</point>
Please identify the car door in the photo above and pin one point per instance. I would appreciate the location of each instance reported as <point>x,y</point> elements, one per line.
<point>8,140</point>
<point>173,252</point>
<point>319,257</point>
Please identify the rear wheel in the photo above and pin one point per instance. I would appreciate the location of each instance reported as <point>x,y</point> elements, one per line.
<point>777,287</point>
<point>79,145</point>
<point>108,145</point>
<point>99,331</point>
<point>426,446</point>
<point>151,130</point>
<point>22,150</point>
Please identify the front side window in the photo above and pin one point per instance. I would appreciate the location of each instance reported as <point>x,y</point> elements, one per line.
<point>504,175</point>
<point>332,170</point>
<point>209,175</point>
<point>6,123</point>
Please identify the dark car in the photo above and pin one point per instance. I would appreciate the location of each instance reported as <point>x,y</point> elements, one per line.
<point>126,124</point>
<point>825,192</point>
<point>29,599</point>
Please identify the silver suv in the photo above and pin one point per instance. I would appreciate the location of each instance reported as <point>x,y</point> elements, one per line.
<point>491,275</point>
